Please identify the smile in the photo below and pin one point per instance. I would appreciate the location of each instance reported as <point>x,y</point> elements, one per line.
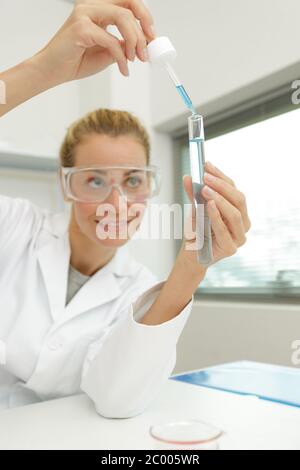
<point>113,224</point>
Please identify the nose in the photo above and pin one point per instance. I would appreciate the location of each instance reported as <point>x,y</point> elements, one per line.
<point>116,198</point>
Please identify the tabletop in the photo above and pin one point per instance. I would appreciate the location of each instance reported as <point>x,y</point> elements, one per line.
<point>73,423</point>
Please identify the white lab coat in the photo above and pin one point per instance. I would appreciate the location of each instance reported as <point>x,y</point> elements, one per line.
<point>94,344</point>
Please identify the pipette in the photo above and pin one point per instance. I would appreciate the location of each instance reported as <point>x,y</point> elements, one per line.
<point>161,51</point>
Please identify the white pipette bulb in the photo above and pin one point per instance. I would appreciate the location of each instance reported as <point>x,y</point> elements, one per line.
<point>161,51</point>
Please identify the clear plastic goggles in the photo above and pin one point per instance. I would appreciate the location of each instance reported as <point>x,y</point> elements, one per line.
<point>94,183</point>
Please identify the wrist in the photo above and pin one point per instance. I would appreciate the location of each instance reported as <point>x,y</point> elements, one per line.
<point>24,81</point>
<point>189,266</point>
<point>39,67</point>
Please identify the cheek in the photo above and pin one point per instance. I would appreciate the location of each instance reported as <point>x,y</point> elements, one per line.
<point>84,211</point>
<point>136,211</point>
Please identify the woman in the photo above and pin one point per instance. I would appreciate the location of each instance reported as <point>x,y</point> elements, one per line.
<point>78,313</point>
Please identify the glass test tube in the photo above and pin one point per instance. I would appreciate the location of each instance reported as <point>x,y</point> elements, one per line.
<point>197,161</point>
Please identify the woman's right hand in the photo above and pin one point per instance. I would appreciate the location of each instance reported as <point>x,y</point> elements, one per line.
<point>83,47</point>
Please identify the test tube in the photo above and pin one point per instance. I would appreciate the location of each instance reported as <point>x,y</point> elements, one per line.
<point>197,161</point>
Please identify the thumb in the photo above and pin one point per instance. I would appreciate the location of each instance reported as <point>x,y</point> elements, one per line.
<point>190,222</point>
<point>188,187</point>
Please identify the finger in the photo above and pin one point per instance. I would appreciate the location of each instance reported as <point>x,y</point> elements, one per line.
<point>215,171</point>
<point>188,187</point>
<point>110,42</point>
<point>230,214</point>
<point>129,32</point>
<point>127,26</point>
<point>222,235</point>
<point>232,194</point>
<point>141,13</point>
<point>141,44</point>
<point>132,34</point>
<point>106,14</point>
<point>190,222</point>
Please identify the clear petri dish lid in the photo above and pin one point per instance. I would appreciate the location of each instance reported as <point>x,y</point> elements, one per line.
<point>188,432</point>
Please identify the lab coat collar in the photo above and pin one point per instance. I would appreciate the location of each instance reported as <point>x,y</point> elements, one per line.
<point>54,259</point>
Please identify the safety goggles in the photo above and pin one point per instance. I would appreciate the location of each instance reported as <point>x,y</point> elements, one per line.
<point>94,184</point>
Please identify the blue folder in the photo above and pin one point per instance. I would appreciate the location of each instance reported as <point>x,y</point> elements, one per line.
<point>269,382</point>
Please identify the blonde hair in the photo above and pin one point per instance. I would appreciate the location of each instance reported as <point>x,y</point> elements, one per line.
<point>109,122</point>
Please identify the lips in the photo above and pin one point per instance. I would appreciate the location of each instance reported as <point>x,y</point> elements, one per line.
<point>113,223</point>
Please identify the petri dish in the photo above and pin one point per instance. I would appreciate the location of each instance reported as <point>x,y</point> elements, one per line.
<point>187,434</point>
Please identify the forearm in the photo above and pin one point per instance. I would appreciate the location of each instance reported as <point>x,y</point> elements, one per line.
<point>176,292</point>
<point>22,82</point>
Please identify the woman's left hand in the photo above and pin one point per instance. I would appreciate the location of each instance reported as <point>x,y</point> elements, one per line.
<point>227,210</point>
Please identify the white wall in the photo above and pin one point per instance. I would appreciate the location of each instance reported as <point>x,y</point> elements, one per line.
<point>231,331</point>
<point>223,47</point>
<point>40,187</point>
<point>37,126</point>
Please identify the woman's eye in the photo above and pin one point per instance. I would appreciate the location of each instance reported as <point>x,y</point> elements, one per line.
<point>133,182</point>
<point>95,183</point>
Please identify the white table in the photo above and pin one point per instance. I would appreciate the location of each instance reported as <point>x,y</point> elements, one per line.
<point>72,423</point>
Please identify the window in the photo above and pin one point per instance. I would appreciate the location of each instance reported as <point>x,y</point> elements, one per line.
<point>259,149</point>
